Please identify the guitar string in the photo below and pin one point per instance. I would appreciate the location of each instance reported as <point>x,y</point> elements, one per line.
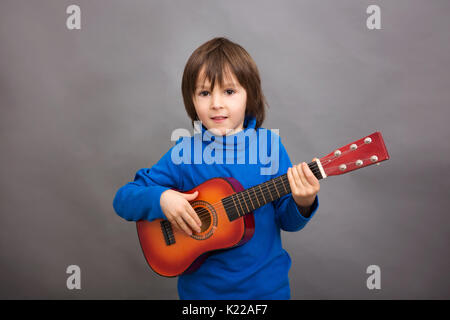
<point>272,188</point>
<point>315,170</point>
<point>278,183</point>
<point>203,213</point>
<point>247,198</point>
<point>268,185</point>
<point>344,153</point>
<point>223,208</point>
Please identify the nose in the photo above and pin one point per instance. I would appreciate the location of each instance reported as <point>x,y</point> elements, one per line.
<point>216,101</point>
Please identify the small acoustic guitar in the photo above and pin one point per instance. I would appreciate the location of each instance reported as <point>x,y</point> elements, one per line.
<point>226,210</point>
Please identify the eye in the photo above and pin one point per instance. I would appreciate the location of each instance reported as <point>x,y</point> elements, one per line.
<point>204,93</point>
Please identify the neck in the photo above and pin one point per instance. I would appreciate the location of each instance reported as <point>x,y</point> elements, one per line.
<point>246,201</point>
<point>234,131</point>
<point>226,131</point>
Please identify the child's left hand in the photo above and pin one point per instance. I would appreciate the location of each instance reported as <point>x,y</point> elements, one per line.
<point>304,185</point>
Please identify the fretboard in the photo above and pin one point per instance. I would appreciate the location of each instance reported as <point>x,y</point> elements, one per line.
<point>243,202</point>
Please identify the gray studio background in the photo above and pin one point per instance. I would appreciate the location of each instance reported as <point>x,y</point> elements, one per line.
<point>83,110</point>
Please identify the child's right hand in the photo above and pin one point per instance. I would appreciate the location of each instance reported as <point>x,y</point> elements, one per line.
<point>175,205</point>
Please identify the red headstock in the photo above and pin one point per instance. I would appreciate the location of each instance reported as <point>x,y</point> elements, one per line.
<point>361,153</point>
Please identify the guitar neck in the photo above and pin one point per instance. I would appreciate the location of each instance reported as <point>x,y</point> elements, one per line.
<point>359,154</point>
<point>246,201</point>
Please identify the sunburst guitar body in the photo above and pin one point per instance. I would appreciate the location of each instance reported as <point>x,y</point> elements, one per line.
<point>225,209</point>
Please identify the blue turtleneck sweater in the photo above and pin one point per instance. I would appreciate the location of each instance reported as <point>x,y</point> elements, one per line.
<point>258,269</point>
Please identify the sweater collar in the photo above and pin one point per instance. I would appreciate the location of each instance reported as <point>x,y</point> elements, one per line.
<point>233,141</point>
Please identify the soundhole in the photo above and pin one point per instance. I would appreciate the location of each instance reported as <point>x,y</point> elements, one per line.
<point>207,216</point>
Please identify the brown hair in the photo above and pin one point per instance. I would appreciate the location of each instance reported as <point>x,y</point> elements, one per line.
<point>217,56</point>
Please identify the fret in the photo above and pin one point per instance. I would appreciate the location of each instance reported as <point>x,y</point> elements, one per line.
<point>231,209</point>
<point>240,203</point>
<point>232,197</point>
<point>265,201</point>
<point>259,204</point>
<point>282,181</point>
<point>273,180</point>
<point>245,201</point>
<point>315,169</point>
<point>257,196</point>
<point>270,193</point>
<point>241,200</point>
<point>250,199</point>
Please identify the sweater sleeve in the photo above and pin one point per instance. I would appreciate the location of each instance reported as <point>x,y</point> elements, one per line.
<point>140,199</point>
<point>288,214</point>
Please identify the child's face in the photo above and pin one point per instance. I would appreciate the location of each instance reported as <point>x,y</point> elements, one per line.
<point>229,101</point>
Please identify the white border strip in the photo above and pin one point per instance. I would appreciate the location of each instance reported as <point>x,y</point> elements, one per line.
<point>322,172</point>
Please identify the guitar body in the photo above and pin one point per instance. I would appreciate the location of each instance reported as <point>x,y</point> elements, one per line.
<point>171,252</point>
<point>226,210</point>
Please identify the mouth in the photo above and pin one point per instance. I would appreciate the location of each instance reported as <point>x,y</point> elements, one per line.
<point>219,119</point>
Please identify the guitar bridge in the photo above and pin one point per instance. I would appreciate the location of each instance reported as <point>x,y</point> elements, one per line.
<point>167,232</point>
